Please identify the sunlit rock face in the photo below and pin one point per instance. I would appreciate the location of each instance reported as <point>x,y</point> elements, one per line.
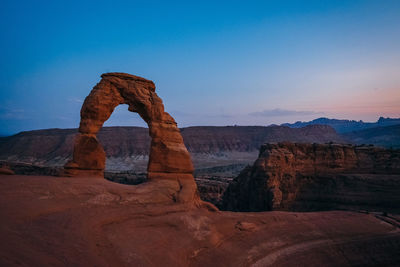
<point>169,159</point>
<point>306,177</point>
<point>168,153</point>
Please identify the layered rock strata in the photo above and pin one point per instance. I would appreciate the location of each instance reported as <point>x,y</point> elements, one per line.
<point>127,148</point>
<point>303,177</point>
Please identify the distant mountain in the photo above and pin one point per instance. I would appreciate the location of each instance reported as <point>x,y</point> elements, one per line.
<point>345,126</point>
<point>127,148</point>
<point>387,136</point>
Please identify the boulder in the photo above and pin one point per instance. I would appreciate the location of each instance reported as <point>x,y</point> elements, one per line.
<point>7,171</point>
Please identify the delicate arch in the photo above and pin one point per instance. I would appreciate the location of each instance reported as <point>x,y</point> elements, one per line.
<point>168,154</point>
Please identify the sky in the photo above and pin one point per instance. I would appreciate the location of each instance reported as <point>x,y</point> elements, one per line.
<point>213,62</point>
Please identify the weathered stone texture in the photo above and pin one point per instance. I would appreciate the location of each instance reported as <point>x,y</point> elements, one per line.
<point>304,177</point>
<point>169,160</point>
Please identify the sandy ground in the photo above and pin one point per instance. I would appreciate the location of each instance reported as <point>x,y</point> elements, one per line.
<point>53,221</point>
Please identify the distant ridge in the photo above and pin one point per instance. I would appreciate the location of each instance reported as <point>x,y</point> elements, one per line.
<point>210,146</point>
<point>345,126</point>
<point>385,136</point>
<point>128,147</point>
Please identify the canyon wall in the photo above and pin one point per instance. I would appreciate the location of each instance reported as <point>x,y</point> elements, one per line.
<point>304,177</point>
<point>127,148</point>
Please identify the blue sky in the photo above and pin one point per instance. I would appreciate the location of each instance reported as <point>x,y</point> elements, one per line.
<point>213,62</point>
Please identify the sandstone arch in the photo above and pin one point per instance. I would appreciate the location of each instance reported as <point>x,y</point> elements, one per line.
<point>169,158</point>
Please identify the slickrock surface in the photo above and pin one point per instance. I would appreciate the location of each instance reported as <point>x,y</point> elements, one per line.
<point>303,177</point>
<point>50,221</point>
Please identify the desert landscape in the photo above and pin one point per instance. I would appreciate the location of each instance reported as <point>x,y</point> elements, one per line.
<point>200,133</point>
<point>79,218</point>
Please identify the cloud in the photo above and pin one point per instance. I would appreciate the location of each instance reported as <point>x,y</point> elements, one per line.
<point>12,114</point>
<point>75,100</point>
<point>178,113</point>
<point>277,112</point>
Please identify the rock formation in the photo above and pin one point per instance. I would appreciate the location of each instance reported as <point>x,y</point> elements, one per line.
<point>211,189</point>
<point>169,159</point>
<point>304,177</point>
<point>168,153</point>
<point>5,169</point>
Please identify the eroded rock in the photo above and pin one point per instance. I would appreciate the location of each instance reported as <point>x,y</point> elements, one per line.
<point>304,177</point>
<point>6,171</point>
<point>168,159</point>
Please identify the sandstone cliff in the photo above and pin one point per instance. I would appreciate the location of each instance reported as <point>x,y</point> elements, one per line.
<point>303,177</point>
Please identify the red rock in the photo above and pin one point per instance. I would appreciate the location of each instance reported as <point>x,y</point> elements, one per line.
<point>169,158</point>
<point>303,177</point>
<point>130,146</point>
<point>6,171</point>
<point>88,153</point>
<point>93,222</point>
<point>168,153</point>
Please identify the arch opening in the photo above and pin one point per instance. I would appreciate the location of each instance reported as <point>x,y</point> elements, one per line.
<point>169,169</point>
<point>168,155</point>
<point>126,141</point>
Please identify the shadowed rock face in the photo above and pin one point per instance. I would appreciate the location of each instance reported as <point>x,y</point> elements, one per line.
<point>169,159</point>
<point>304,177</point>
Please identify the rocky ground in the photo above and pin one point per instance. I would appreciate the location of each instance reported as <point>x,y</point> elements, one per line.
<point>211,182</point>
<point>93,222</point>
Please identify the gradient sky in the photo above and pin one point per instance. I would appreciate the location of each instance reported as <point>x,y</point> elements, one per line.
<point>213,62</point>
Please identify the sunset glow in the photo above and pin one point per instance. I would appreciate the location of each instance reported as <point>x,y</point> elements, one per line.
<point>215,66</point>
